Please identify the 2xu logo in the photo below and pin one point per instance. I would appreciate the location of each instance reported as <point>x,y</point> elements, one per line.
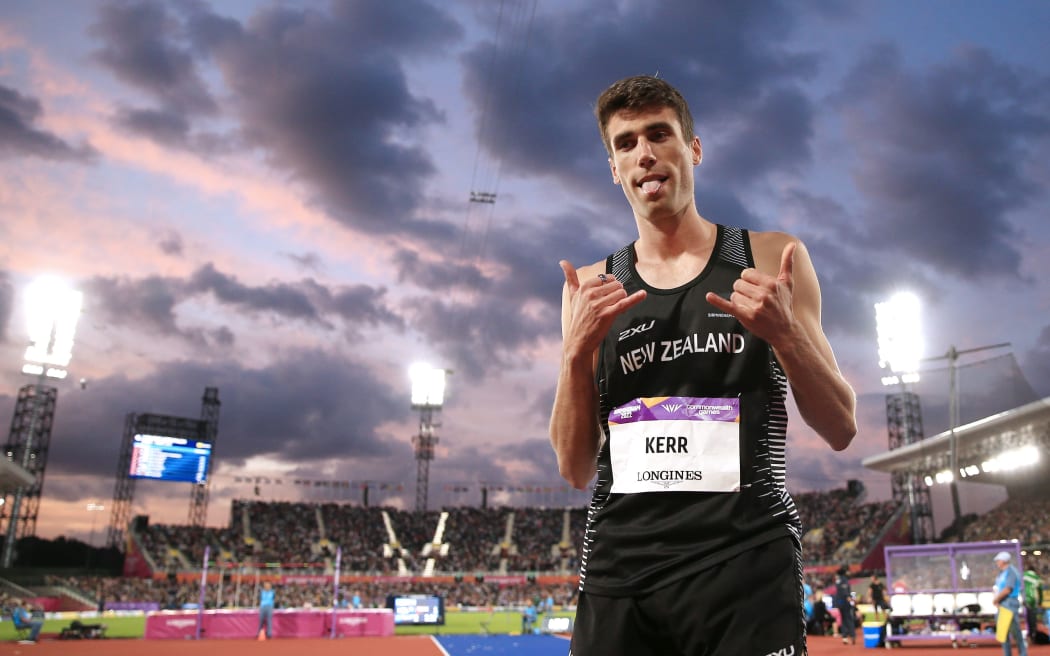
<point>636,330</point>
<point>783,651</point>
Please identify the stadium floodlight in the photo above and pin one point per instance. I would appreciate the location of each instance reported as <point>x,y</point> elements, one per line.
<point>52,311</point>
<point>93,508</point>
<point>428,395</point>
<point>1025,456</point>
<point>428,386</point>
<point>900,338</point>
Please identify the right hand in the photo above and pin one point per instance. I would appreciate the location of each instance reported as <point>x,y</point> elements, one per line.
<point>593,306</point>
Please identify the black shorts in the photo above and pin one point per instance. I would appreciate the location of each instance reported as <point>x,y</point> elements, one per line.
<point>749,605</point>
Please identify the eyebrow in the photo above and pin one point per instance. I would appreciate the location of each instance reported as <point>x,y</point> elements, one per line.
<point>657,125</point>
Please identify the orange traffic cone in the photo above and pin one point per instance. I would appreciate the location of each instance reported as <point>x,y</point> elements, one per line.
<point>262,635</point>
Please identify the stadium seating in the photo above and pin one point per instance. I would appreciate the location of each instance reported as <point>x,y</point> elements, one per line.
<point>470,544</point>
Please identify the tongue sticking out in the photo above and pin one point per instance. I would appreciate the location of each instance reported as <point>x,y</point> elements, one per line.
<point>651,186</point>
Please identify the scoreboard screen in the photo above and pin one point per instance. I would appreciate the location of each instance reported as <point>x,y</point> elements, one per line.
<point>164,458</point>
<point>417,609</point>
<point>556,624</point>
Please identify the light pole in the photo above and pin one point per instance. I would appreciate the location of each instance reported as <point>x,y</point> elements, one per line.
<point>94,509</point>
<point>900,350</point>
<point>52,311</point>
<point>952,356</point>
<point>428,395</point>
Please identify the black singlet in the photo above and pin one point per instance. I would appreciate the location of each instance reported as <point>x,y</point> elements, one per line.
<point>675,344</point>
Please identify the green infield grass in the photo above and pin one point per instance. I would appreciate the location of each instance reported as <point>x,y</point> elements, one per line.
<point>116,627</point>
<point>456,622</point>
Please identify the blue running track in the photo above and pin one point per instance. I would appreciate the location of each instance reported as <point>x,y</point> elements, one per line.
<point>504,645</point>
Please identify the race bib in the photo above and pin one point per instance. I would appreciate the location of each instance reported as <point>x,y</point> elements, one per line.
<point>675,444</point>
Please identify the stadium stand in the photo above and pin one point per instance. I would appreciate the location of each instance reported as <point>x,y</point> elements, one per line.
<point>473,556</point>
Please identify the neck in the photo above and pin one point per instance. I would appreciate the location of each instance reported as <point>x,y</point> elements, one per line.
<point>675,234</point>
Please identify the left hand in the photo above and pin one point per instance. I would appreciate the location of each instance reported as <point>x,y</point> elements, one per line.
<point>761,302</point>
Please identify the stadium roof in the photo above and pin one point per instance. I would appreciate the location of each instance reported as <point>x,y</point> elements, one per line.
<point>12,476</point>
<point>975,442</point>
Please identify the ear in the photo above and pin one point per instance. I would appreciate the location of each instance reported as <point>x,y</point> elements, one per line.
<point>612,169</point>
<point>698,151</point>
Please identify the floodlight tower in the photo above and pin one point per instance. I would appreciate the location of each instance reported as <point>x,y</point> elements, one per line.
<point>900,349</point>
<point>428,395</point>
<point>52,310</point>
<point>210,425</point>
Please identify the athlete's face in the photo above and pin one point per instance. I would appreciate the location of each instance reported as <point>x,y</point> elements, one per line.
<point>652,161</point>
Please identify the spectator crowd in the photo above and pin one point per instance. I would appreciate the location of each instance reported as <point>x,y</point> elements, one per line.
<point>478,556</point>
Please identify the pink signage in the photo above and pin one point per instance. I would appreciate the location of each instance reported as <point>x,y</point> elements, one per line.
<point>293,623</point>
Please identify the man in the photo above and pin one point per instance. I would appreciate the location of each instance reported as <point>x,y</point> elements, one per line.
<point>528,618</point>
<point>822,621</point>
<point>23,618</point>
<point>843,599</point>
<point>877,596</point>
<point>676,355</point>
<point>1033,601</point>
<point>1008,596</point>
<point>807,603</point>
<point>266,604</point>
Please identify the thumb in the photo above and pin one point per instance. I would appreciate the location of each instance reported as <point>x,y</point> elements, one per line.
<point>571,279</point>
<point>787,261</point>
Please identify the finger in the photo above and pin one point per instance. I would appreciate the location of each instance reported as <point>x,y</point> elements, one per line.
<point>755,277</point>
<point>787,261</point>
<point>750,289</point>
<point>630,301</point>
<point>571,279</point>
<point>720,303</point>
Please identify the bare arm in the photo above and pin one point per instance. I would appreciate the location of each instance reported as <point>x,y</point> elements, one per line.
<point>588,309</point>
<point>782,306</point>
<point>1003,594</point>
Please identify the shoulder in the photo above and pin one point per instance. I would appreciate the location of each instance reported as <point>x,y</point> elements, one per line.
<point>589,270</point>
<point>768,246</point>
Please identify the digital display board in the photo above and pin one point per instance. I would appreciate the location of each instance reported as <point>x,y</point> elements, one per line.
<point>556,624</point>
<point>417,609</point>
<point>164,458</point>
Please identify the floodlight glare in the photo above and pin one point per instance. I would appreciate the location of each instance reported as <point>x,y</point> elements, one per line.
<point>428,385</point>
<point>52,311</point>
<point>1014,459</point>
<point>900,337</point>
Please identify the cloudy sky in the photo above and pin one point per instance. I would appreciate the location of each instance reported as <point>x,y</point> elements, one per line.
<point>274,199</point>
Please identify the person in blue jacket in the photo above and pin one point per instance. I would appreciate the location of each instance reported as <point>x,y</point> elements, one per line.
<point>528,618</point>
<point>266,603</point>
<point>23,618</point>
<point>1008,595</point>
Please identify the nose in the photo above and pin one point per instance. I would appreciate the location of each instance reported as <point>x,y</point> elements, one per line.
<point>645,153</point>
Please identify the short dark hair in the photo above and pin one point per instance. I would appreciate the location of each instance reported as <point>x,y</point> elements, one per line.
<point>638,93</point>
